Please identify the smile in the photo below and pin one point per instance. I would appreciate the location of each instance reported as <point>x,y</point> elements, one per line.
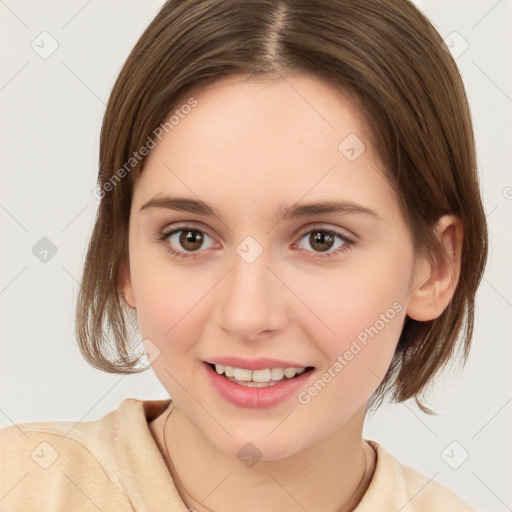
<point>257,378</point>
<point>257,388</point>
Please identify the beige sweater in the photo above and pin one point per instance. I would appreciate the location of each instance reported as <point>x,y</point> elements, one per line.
<point>114,464</point>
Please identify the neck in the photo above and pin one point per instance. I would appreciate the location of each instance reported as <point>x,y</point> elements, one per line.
<point>339,469</point>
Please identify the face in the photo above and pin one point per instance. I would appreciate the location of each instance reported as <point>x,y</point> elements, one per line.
<point>320,289</point>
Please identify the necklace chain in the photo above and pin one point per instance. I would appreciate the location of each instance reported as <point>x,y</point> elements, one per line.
<point>174,469</point>
<point>205,507</point>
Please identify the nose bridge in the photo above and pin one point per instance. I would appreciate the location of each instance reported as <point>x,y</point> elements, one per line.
<point>252,300</point>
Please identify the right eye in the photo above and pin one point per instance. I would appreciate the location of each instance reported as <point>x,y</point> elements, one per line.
<point>189,238</point>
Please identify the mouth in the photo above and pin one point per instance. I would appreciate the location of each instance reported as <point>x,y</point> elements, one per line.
<point>260,378</point>
<point>257,383</point>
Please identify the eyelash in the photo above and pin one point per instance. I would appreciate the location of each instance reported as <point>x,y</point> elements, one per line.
<point>349,242</point>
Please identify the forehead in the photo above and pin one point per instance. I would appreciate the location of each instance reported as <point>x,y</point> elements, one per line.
<point>279,139</point>
<point>256,107</point>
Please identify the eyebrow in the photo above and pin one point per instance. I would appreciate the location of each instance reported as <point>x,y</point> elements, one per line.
<point>283,213</point>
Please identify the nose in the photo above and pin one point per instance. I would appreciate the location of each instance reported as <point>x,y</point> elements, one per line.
<point>253,300</point>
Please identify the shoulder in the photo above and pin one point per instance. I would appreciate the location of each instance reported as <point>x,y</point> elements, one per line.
<point>62,465</point>
<point>409,490</point>
<point>430,494</point>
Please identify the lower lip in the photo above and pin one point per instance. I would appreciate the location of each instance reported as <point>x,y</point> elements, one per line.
<point>255,398</point>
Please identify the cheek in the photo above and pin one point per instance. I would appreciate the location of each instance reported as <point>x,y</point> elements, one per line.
<point>349,302</point>
<point>365,355</point>
<point>356,361</point>
<point>171,302</point>
<point>362,315</point>
<point>168,309</point>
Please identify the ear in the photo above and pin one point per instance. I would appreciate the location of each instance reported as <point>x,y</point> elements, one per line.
<point>434,285</point>
<point>125,286</point>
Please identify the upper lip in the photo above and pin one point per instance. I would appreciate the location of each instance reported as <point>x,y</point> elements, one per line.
<point>254,364</point>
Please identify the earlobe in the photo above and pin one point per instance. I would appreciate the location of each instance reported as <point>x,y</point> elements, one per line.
<point>435,284</point>
<point>125,287</point>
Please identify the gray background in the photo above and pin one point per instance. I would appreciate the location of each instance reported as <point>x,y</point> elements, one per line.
<point>51,116</point>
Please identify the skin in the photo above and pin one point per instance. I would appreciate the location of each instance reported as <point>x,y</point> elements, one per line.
<point>248,147</point>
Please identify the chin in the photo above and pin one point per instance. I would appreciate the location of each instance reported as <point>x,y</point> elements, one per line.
<point>263,443</point>
<point>254,450</point>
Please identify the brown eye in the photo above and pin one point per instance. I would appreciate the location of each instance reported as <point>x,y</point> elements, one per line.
<point>321,241</point>
<point>186,242</point>
<point>191,240</point>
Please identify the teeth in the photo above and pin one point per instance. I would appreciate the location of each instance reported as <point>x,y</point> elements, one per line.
<point>252,384</point>
<point>241,374</point>
<point>261,375</point>
<point>255,377</point>
<point>277,373</point>
<point>289,372</point>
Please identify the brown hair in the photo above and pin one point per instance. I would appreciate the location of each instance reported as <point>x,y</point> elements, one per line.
<point>384,53</point>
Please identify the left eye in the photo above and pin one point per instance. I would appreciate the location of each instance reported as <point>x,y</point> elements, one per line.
<point>323,240</point>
